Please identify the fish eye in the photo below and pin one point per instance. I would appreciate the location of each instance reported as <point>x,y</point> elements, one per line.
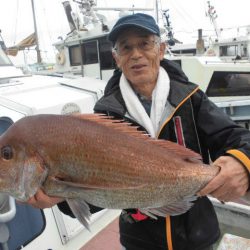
<point>6,153</point>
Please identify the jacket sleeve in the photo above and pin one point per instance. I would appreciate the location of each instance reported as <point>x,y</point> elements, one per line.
<point>219,132</point>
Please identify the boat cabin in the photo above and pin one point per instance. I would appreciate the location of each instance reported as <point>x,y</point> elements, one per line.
<point>87,57</point>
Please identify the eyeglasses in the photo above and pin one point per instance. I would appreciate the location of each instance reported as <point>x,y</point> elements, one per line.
<point>145,45</point>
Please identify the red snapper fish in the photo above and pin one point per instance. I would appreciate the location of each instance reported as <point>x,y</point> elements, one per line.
<point>97,160</point>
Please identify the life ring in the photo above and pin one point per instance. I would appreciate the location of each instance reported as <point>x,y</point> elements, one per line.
<point>60,58</point>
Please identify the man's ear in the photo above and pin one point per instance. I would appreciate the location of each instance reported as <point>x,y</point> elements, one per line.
<point>162,50</point>
<point>116,57</point>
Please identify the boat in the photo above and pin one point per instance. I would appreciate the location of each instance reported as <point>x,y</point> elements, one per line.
<point>86,50</point>
<point>231,44</point>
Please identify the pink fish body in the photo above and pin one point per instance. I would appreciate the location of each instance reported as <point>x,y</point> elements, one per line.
<point>105,162</point>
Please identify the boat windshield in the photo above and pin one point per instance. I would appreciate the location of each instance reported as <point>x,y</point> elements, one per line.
<point>4,60</point>
<point>229,84</point>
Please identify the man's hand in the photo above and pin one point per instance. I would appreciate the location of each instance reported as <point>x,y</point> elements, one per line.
<point>41,200</point>
<point>231,183</point>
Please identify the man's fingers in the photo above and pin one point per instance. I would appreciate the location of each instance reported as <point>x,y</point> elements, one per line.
<point>41,200</point>
<point>33,202</point>
<point>211,186</point>
<point>223,194</point>
<point>220,193</point>
<point>231,182</point>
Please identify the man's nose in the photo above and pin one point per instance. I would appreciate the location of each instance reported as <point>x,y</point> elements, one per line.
<point>136,51</point>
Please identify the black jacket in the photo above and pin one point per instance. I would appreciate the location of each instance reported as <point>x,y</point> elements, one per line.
<point>206,130</point>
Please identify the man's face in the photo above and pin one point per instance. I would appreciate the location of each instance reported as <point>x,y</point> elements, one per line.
<point>138,55</point>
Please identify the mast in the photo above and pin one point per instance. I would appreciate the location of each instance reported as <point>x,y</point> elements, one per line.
<point>156,11</point>
<point>38,52</point>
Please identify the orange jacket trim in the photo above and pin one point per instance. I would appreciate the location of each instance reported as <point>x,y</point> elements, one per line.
<point>241,157</point>
<point>168,119</point>
<point>168,233</point>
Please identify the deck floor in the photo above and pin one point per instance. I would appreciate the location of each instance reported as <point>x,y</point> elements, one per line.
<point>106,239</point>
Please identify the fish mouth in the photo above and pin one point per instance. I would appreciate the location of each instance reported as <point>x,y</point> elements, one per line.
<point>32,176</point>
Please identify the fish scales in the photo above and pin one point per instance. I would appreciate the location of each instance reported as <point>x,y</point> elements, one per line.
<point>100,161</point>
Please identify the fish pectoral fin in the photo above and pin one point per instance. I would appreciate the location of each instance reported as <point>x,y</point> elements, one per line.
<point>104,186</point>
<point>81,211</point>
<point>175,208</point>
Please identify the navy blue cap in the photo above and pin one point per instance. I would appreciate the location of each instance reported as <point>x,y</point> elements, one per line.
<point>139,20</point>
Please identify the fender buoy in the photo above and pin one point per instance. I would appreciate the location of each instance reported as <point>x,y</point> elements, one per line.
<point>60,58</point>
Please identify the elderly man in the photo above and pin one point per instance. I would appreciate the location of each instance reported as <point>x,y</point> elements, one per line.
<point>154,93</point>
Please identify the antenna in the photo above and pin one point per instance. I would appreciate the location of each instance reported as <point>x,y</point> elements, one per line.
<point>87,9</point>
<point>168,27</point>
<point>213,16</point>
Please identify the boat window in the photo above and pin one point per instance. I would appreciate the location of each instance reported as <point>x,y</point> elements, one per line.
<point>75,55</point>
<point>88,52</point>
<point>228,50</point>
<point>234,50</point>
<point>244,52</point>
<point>191,51</point>
<point>229,84</point>
<point>106,59</point>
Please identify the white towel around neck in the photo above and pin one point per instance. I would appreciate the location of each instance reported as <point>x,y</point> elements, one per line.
<point>159,98</point>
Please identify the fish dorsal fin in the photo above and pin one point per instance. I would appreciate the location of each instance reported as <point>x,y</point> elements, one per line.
<point>117,124</point>
<point>177,149</point>
<point>128,129</point>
